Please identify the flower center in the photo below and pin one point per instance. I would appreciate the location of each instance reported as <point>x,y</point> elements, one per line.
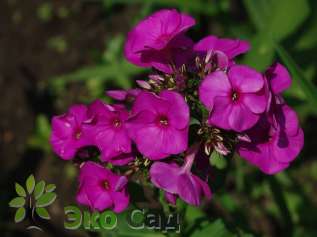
<point>77,134</point>
<point>106,185</point>
<point>234,96</point>
<point>163,121</point>
<point>116,123</point>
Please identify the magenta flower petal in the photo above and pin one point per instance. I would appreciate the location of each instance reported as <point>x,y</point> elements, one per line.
<point>153,41</point>
<point>71,131</point>
<point>178,110</point>
<point>241,118</point>
<point>188,189</point>
<point>110,132</point>
<point>162,174</point>
<point>215,84</point>
<point>236,99</point>
<point>147,101</point>
<point>164,118</point>
<point>122,159</point>
<point>120,200</point>
<point>286,118</point>
<point>176,180</point>
<point>174,140</point>
<point>117,94</point>
<point>205,190</point>
<point>171,198</point>
<point>276,140</point>
<point>287,148</point>
<point>230,47</point>
<point>147,145</point>
<point>98,188</point>
<point>245,79</point>
<point>279,77</point>
<point>160,28</point>
<point>257,103</point>
<point>103,201</point>
<point>82,196</point>
<point>206,44</point>
<point>261,156</point>
<point>221,112</point>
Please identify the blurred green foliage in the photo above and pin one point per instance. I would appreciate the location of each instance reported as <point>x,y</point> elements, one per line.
<point>245,202</point>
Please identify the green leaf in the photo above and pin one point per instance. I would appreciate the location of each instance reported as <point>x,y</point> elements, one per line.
<point>42,212</point>
<point>46,200</point>
<point>50,188</point>
<point>216,228</point>
<point>276,18</point>
<point>30,183</point>
<point>19,215</point>
<point>218,160</point>
<point>20,190</point>
<point>39,189</point>
<point>262,54</point>
<point>17,202</point>
<point>193,213</point>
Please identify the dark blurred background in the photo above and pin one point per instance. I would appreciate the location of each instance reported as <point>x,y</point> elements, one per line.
<point>59,52</point>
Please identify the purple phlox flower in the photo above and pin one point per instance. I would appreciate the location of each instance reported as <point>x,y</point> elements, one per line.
<point>277,139</point>
<point>220,51</point>
<point>123,95</point>
<point>159,124</point>
<point>235,99</point>
<point>110,133</point>
<point>278,78</point>
<point>159,40</point>
<point>179,181</point>
<point>71,131</point>
<point>101,189</point>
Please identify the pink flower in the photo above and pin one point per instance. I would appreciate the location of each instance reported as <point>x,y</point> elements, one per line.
<point>235,99</point>
<point>123,95</point>
<point>277,139</point>
<point>71,131</point>
<point>225,50</point>
<point>278,78</point>
<point>101,189</point>
<point>159,124</point>
<point>159,40</point>
<point>110,133</point>
<point>176,180</point>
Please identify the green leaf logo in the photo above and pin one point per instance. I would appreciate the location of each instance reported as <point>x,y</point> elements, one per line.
<point>20,190</point>
<point>46,200</point>
<point>34,197</point>
<point>39,189</point>
<point>42,212</point>
<point>30,183</point>
<point>20,215</point>
<point>17,202</point>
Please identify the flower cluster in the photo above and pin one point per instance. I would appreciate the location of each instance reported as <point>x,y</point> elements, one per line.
<point>196,101</point>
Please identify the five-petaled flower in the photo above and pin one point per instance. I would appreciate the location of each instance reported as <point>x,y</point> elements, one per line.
<point>159,124</point>
<point>235,99</point>
<point>99,188</point>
